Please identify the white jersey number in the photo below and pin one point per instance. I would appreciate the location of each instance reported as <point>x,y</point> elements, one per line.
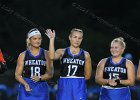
<point>113,76</point>
<point>72,68</point>
<point>35,71</point>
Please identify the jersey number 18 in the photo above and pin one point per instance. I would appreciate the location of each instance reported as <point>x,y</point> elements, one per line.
<point>35,71</point>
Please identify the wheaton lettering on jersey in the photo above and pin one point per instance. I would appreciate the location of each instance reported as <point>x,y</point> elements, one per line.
<point>115,69</point>
<point>73,61</point>
<point>35,62</point>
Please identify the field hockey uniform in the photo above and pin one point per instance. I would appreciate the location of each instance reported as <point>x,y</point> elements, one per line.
<point>71,85</point>
<point>34,65</point>
<point>111,71</point>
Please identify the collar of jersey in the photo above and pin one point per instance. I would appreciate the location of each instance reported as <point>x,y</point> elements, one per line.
<point>116,63</point>
<point>73,54</point>
<point>36,55</point>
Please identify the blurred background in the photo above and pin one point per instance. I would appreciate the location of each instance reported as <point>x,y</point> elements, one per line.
<point>101,21</point>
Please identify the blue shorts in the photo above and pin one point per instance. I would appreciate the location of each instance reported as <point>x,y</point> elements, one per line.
<point>71,89</point>
<point>39,91</point>
<point>122,93</point>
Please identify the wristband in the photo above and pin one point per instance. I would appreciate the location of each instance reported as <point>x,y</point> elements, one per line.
<point>118,81</point>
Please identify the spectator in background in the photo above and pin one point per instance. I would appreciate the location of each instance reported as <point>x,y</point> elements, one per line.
<point>128,56</point>
<point>3,66</point>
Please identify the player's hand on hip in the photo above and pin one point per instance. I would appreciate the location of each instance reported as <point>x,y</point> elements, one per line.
<point>50,33</point>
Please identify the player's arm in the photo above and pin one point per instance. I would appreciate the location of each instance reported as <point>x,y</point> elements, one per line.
<point>58,54</point>
<point>88,66</point>
<point>51,36</point>
<point>130,74</point>
<point>54,55</point>
<point>138,72</point>
<point>99,73</point>
<point>19,70</point>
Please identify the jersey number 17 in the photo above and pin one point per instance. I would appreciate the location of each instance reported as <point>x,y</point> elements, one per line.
<point>72,70</point>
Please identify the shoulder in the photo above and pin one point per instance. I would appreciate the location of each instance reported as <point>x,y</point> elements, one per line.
<point>129,63</point>
<point>102,61</point>
<point>21,55</point>
<point>86,54</point>
<point>46,51</point>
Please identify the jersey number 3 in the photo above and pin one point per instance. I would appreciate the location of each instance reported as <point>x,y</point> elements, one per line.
<point>72,70</point>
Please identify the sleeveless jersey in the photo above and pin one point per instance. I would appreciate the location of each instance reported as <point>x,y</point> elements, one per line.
<point>72,65</point>
<point>34,65</point>
<point>112,70</point>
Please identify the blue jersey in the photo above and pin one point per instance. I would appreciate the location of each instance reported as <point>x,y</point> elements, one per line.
<point>34,65</point>
<point>71,85</point>
<point>72,65</point>
<point>111,70</point>
<point>118,70</point>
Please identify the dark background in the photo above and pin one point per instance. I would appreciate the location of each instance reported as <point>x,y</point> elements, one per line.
<point>101,21</point>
